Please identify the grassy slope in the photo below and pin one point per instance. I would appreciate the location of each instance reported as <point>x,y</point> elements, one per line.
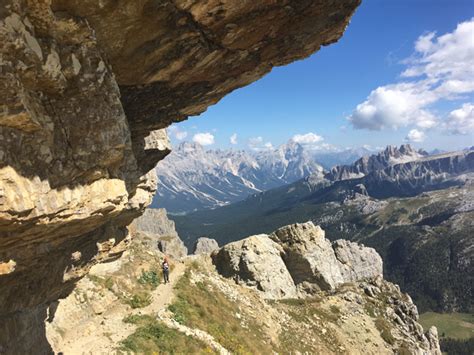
<point>153,337</point>
<point>198,305</point>
<point>452,325</point>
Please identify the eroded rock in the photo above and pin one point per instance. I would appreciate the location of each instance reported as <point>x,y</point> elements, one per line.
<point>160,232</point>
<point>205,246</point>
<point>311,261</point>
<point>256,261</point>
<point>86,88</point>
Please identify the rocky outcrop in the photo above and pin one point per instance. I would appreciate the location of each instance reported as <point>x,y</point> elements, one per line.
<point>357,262</point>
<point>86,88</point>
<point>155,221</point>
<point>256,261</point>
<point>205,246</point>
<point>430,173</point>
<point>160,232</point>
<point>296,260</point>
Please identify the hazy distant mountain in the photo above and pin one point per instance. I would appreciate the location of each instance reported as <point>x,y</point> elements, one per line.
<point>416,210</point>
<point>193,178</point>
<point>330,159</point>
<point>265,211</point>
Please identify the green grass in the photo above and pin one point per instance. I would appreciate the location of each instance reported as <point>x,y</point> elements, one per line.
<point>149,278</point>
<point>139,300</point>
<point>153,337</point>
<point>450,325</point>
<point>200,306</point>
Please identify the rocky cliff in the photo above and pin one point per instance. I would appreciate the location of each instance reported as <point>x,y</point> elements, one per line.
<point>86,89</point>
<point>159,232</point>
<point>390,156</point>
<point>297,261</point>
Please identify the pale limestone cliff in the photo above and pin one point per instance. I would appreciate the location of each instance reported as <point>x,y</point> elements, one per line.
<point>296,260</point>
<point>160,232</point>
<point>205,246</point>
<point>86,88</point>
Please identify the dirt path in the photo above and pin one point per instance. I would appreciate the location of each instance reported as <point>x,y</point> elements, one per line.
<point>101,334</point>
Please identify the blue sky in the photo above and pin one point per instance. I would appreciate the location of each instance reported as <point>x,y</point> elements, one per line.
<point>391,62</point>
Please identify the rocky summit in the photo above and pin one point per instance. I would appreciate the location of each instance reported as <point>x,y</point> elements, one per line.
<point>86,88</point>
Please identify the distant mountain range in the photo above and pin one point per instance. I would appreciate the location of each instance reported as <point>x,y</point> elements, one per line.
<point>416,209</point>
<point>394,172</point>
<point>192,178</point>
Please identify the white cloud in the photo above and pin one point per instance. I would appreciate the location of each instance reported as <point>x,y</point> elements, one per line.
<point>394,106</point>
<point>257,144</point>
<point>309,138</point>
<point>233,139</point>
<point>203,139</point>
<point>177,133</point>
<point>461,121</point>
<point>440,69</point>
<point>415,136</point>
<point>180,135</point>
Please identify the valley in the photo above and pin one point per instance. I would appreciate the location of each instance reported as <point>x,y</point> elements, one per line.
<point>425,238</point>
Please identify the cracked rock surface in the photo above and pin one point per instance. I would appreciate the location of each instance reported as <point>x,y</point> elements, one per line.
<point>86,90</point>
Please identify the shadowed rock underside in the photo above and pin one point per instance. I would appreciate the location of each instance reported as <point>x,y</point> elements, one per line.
<point>86,89</point>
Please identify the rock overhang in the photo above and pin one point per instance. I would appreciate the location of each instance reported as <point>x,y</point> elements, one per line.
<point>86,89</point>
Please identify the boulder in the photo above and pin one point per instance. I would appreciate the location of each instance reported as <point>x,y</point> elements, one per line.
<point>295,261</point>
<point>205,246</point>
<point>308,255</point>
<point>256,261</point>
<point>356,261</point>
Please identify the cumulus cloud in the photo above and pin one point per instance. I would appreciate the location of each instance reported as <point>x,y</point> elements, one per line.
<point>180,135</point>
<point>258,144</point>
<point>177,133</point>
<point>233,139</point>
<point>440,69</point>
<point>309,138</point>
<point>415,136</point>
<point>203,139</point>
<point>461,121</point>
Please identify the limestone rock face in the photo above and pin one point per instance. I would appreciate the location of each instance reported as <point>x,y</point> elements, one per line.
<point>300,253</point>
<point>160,232</point>
<point>155,221</point>
<point>308,255</point>
<point>256,261</point>
<point>357,262</point>
<point>86,88</point>
<point>205,246</point>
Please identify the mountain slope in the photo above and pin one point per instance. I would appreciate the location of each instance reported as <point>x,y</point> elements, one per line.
<point>412,213</point>
<point>192,178</point>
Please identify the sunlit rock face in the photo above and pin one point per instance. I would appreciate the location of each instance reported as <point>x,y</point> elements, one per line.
<point>86,88</point>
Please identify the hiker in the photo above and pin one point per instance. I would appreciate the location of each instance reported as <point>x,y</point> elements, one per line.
<point>166,270</point>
